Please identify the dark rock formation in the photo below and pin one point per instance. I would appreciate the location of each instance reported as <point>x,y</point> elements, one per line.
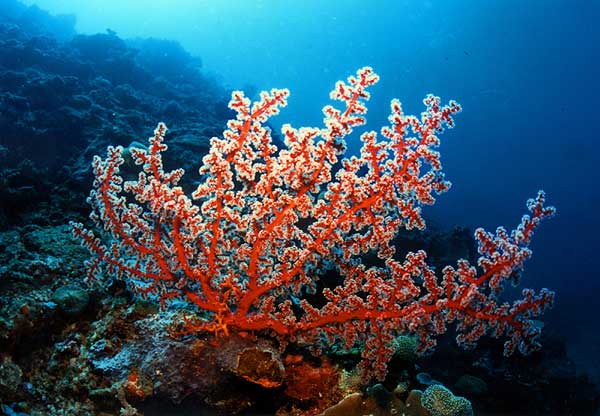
<point>66,97</point>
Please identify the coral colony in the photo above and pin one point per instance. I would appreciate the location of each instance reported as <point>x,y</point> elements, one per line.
<point>246,250</point>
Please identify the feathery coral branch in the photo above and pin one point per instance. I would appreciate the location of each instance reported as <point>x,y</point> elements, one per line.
<point>253,238</point>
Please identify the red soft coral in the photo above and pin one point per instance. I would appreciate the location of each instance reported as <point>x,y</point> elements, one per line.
<point>265,223</point>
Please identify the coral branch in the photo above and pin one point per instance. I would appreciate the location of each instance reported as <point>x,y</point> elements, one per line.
<point>265,223</point>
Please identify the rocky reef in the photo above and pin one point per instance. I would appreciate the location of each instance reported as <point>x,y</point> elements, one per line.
<point>65,97</point>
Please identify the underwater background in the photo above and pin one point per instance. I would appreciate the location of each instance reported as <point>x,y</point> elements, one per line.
<point>524,72</point>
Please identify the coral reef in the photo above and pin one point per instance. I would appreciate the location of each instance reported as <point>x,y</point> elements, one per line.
<point>439,401</point>
<point>64,97</point>
<point>115,353</point>
<point>67,348</point>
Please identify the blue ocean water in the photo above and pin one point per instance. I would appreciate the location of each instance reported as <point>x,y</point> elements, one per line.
<point>525,73</point>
